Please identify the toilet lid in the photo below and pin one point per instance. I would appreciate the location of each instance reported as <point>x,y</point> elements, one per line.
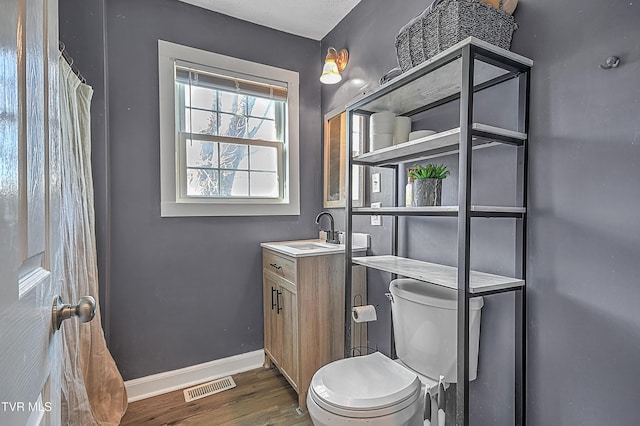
<point>366,383</point>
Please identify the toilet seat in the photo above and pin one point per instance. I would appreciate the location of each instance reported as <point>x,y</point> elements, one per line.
<point>366,386</point>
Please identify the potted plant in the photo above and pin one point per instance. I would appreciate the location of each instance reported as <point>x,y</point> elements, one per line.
<point>427,184</point>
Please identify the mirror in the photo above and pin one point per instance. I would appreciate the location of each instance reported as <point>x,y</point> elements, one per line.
<point>335,146</point>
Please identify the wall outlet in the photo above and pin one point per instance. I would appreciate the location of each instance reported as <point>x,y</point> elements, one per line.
<point>375,182</point>
<point>376,220</point>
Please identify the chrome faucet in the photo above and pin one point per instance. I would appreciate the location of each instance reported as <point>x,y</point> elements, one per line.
<point>332,234</point>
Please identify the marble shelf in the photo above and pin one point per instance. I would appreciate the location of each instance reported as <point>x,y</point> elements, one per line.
<point>446,276</point>
<point>448,211</point>
<point>415,88</point>
<point>442,143</point>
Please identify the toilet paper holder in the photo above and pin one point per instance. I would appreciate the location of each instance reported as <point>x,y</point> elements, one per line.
<point>360,302</point>
<point>360,313</point>
<point>364,313</point>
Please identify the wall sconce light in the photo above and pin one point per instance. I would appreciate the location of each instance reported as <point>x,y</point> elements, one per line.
<point>334,64</point>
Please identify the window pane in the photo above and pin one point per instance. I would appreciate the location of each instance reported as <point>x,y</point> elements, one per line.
<point>234,126</point>
<point>202,154</point>
<point>202,183</point>
<point>264,158</point>
<point>234,184</point>
<point>203,98</point>
<point>184,90</point>
<point>262,129</point>
<point>184,120</point>
<point>232,103</point>
<point>261,108</point>
<point>264,184</point>
<point>234,156</point>
<point>203,122</point>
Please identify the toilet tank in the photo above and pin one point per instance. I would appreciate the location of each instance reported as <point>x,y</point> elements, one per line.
<point>424,325</point>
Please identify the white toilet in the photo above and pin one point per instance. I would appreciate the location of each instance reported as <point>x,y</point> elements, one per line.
<point>375,390</point>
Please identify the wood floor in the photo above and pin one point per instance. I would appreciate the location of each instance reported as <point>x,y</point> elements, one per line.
<point>261,397</point>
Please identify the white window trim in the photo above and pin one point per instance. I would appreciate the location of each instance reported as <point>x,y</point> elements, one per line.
<point>170,203</point>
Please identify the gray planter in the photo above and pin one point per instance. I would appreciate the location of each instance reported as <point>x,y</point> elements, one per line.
<point>427,192</point>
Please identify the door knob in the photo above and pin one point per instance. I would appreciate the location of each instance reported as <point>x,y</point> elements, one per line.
<point>85,310</point>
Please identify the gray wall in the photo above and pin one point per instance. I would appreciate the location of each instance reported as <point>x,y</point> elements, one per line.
<point>583,322</point>
<point>188,290</point>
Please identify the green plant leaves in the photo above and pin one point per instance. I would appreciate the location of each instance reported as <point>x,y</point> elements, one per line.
<point>429,171</point>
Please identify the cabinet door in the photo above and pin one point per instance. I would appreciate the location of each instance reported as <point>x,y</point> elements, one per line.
<point>269,288</point>
<point>287,319</point>
<point>270,291</point>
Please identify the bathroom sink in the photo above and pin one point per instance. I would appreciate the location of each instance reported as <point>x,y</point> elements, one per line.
<point>308,248</point>
<point>304,248</point>
<point>313,246</point>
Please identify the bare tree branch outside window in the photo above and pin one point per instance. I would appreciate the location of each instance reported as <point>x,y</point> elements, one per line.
<point>220,183</point>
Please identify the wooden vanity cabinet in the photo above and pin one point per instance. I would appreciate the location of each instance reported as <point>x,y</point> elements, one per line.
<point>304,314</point>
<point>281,325</point>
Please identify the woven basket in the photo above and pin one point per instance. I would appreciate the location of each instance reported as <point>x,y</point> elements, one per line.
<point>448,23</point>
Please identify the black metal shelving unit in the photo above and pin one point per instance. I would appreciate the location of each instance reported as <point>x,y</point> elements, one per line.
<point>457,73</point>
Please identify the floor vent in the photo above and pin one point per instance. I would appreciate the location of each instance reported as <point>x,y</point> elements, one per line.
<point>209,388</point>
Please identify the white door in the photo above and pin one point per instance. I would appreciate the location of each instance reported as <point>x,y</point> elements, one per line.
<point>30,253</point>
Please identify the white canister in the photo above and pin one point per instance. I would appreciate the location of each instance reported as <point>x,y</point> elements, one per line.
<point>381,123</point>
<point>401,129</point>
<point>421,134</point>
<point>380,141</point>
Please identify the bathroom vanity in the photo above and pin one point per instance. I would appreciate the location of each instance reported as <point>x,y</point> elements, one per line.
<point>303,290</point>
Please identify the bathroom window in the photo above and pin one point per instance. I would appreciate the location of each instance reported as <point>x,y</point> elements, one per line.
<point>229,135</point>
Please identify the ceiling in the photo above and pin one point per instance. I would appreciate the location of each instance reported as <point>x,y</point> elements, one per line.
<point>307,18</point>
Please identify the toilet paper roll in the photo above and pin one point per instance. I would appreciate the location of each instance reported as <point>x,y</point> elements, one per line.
<point>364,313</point>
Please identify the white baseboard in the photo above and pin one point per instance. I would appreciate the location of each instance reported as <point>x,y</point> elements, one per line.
<point>157,384</point>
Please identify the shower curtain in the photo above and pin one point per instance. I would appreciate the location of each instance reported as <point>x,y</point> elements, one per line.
<point>93,391</point>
